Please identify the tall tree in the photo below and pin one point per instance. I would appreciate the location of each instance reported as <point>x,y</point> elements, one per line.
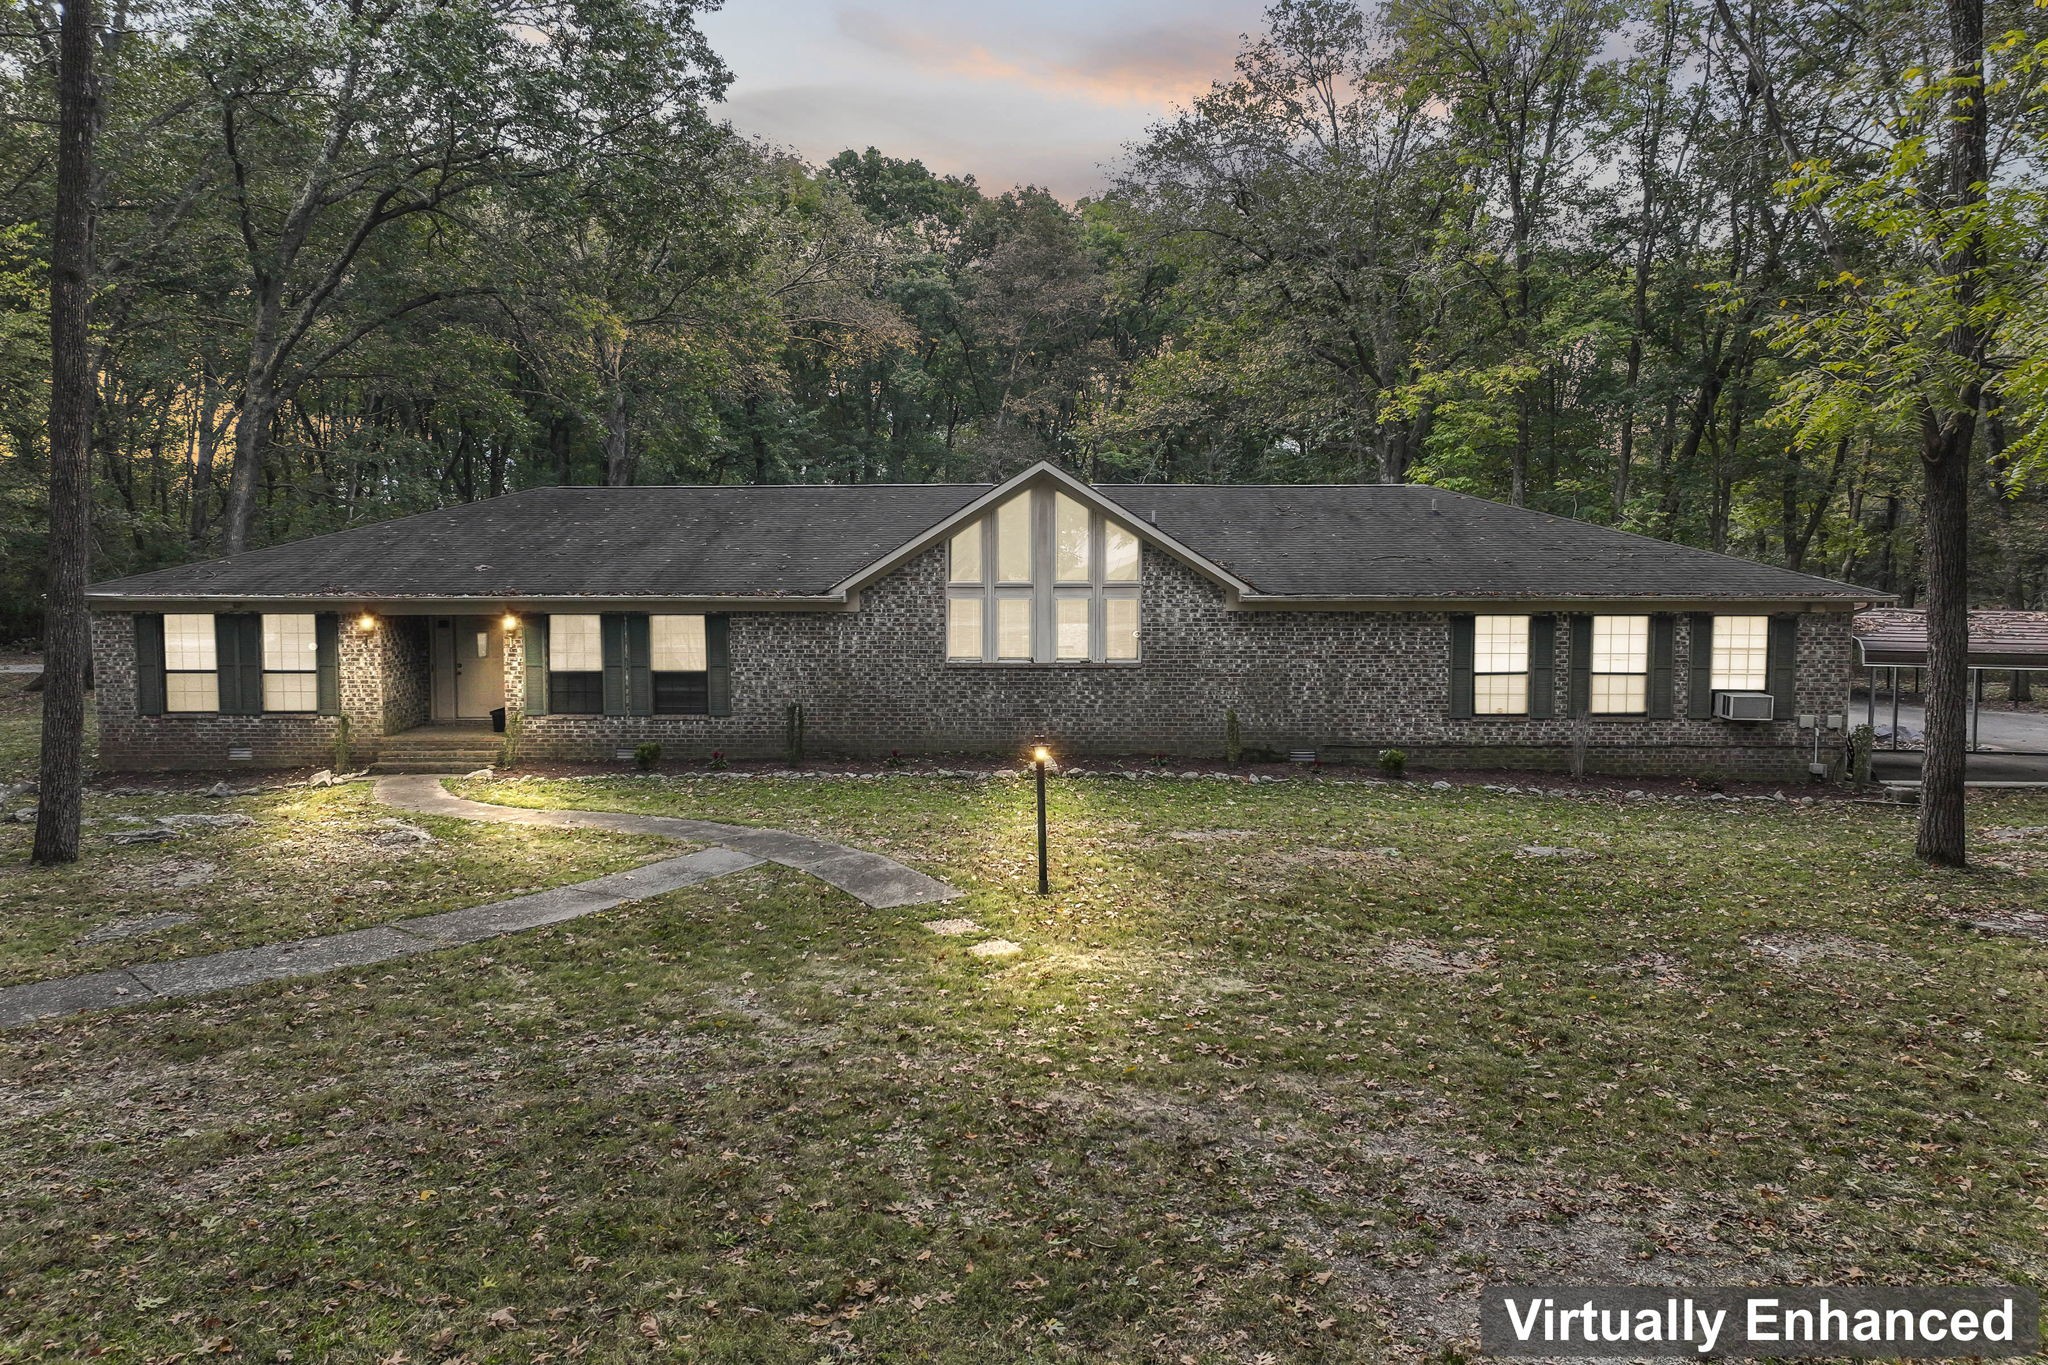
<point>67,631</point>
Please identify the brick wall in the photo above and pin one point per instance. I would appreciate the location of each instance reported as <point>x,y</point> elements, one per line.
<point>382,677</point>
<point>875,680</point>
<point>1345,683</point>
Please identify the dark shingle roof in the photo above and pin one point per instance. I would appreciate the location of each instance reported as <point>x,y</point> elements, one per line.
<point>1411,540</point>
<point>721,541</point>
<point>1354,540</point>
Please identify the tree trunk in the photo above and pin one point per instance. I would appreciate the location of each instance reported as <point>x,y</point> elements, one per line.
<point>1945,537</point>
<point>1947,440</point>
<point>67,630</point>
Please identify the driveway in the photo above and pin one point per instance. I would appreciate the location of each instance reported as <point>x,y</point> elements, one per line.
<point>2008,730</point>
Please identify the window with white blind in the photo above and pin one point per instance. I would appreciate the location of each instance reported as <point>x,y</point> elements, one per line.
<point>291,663</point>
<point>1619,682</point>
<point>678,659</point>
<point>1500,665</point>
<point>191,666</point>
<point>1742,653</point>
<point>1043,578</point>
<point>576,665</point>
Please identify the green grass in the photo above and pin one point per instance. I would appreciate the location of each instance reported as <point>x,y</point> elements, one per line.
<point>1251,1089</point>
<point>1202,1113</point>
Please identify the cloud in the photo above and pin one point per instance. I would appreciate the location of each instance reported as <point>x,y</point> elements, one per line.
<point>997,149</point>
<point>1152,66</point>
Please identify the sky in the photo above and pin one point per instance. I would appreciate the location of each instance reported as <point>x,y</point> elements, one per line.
<point>1028,93</point>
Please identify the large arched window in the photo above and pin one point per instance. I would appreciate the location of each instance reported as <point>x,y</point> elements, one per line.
<point>1042,578</point>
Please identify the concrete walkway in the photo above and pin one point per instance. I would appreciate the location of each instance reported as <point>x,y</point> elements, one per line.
<point>870,878</point>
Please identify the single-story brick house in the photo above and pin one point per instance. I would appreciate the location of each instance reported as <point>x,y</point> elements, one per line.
<point>935,618</point>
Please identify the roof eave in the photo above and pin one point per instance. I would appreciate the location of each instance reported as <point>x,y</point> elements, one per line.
<point>1540,602</point>
<point>477,604</point>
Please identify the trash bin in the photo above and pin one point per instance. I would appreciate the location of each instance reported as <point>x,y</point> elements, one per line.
<point>498,720</point>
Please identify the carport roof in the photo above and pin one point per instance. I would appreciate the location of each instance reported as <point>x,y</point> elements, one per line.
<point>1897,637</point>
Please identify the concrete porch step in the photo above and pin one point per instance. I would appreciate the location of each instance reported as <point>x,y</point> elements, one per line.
<point>441,767</point>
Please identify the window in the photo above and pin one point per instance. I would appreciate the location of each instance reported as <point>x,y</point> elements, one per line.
<point>1500,665</point>
<point>1044,578</point>
<point>1620,666</point>
<point>576,665</point>
<point>966,556</point>
<point>191,668</point>
<point>678,657</point>
<point>291,664</point>
<point>1742,652</point>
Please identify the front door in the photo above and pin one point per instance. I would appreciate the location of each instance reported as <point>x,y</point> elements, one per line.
<point>469,667</point>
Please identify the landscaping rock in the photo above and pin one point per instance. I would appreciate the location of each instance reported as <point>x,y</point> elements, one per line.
<point>1797,950</point>
<point>323,778</point>
<point>481,772</point>
<point>952,927</point>
<point>235,821</point>
<point>996,947</point>
<point>392,832</point>
<point>25,816</point>
<point>154,834</point>
<point>135,928</point>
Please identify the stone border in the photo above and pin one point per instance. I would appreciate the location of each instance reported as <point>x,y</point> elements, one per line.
<point>879,882</point>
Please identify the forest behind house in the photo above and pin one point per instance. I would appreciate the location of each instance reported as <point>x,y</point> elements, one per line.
<point>1661,266</point>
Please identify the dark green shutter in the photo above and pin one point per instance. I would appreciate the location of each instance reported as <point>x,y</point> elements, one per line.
<point>149,663</point>
<point>717,667</point>
<point>1660,666</point>
<point>1582,665</point>
<point>1699,693</point>
<point>639,666</point>
<point>238,654</point>
<point>533,645</point>
<point>613,633</point>
<point>1461,667</point>
<point>327,659</point>
<point>1782,665</point>
<point>1542,667</point>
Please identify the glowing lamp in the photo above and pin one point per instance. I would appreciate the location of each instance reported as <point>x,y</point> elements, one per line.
<point>1040,756</point>
<point>366,623</point>
<point>511,622</point>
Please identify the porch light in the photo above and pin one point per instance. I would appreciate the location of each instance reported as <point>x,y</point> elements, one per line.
<point>510,622</point>
<point>366,623</point>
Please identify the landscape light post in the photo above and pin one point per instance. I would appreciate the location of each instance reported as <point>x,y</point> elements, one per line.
<point>1040,755</point>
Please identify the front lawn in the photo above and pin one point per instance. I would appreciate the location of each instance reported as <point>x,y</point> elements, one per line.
<point>1282,1070</point>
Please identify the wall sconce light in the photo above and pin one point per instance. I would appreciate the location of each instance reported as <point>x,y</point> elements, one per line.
<point>365,623</point>
<point>511,622</point>
<point>1040,756</point>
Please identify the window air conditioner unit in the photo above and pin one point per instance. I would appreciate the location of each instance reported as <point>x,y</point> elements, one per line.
<point>1743,705</point>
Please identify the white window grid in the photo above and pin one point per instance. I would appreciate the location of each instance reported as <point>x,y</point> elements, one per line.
<point>1071,595</point>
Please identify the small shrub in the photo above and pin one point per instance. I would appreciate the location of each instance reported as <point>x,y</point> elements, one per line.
<point>1233,738</point>
<point>1161,760</point>
<point>718,762</point>
<point>894,760</point>
<point>508,747</point>
<point>1861,741</point>
<point>341,746</point>
<point>1394,762</point>
<point>646,755</point>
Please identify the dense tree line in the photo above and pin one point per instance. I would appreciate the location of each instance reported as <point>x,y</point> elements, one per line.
<point>1663,264</point>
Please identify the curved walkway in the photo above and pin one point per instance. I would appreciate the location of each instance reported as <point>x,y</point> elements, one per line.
<point>870,878</point>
